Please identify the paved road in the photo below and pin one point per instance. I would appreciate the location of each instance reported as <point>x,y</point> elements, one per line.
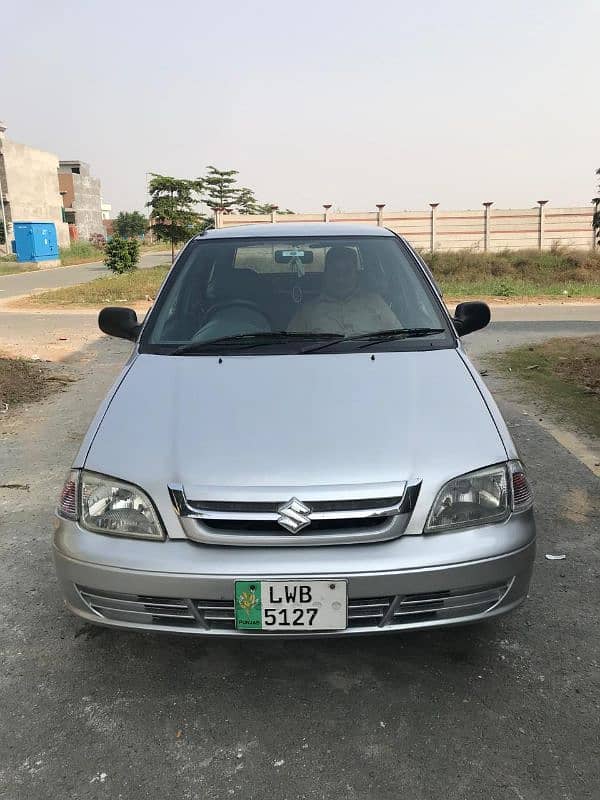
<point>504,712</point>
<point>27,282</point>
<point>515,325</point>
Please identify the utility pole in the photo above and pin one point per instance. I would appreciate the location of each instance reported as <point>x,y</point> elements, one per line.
<point>2,210</point>
<point>6,245</point>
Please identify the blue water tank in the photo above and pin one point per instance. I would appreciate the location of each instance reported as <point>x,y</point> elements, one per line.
<point>36,241</point>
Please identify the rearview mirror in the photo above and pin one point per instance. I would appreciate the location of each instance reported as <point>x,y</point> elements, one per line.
<point>120,322</point>
<point>470,317</point>
<point>293,254</point>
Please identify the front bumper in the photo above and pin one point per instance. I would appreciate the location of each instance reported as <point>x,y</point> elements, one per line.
<point>411,582</point>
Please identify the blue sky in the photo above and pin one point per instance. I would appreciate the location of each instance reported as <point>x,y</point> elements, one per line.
<point>336,101</point>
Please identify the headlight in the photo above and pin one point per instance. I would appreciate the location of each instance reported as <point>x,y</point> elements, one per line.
<point>479,498</point>
<point>112,506</point>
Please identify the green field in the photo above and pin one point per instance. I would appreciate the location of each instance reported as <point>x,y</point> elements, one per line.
<point>517,273</point>
<point>80,253</point>
<point>510,287</point>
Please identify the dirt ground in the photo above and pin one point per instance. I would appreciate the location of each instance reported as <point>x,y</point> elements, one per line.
<point>576,361</point>
<point>560,376</point>
<point>21,381</point>
<point>42,354</point>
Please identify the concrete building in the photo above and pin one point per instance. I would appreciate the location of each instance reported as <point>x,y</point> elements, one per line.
<point>29,185</point>
<point>81,198</point>
<point>106,209</point>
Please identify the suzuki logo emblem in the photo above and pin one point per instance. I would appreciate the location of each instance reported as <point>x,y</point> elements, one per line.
<point>294,515</point>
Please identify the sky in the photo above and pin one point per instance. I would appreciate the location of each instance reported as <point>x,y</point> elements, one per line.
<point>314,101</point>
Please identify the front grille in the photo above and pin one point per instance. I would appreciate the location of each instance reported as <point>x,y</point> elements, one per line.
<point>139,608</point>
<point>370,612</point>
<point>446,605</point>
<point>316,505</point>
<point>365,513</point>
<point>318,526</point>
<point>361,612</point>
<point>367,612</point>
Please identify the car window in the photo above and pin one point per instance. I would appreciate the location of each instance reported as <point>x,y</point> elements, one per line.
<point>339,286</point>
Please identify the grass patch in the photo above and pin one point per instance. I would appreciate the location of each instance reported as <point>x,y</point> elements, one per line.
<point>111,290</point>
<point>80,253</point>
<point>14,268</point>
<point>564,373</point>
<point>510,287</point>
<point>157,247</point>
<point>526,274</point>
<point>517,273</point>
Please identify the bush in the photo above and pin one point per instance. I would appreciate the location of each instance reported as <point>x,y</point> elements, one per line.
<point>122,255</point>
<point>503,289</point>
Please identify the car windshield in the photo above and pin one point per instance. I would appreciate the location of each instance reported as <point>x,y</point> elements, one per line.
<point>311,294</point>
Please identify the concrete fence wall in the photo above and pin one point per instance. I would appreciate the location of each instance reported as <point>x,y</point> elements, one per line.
<point>485,229</point>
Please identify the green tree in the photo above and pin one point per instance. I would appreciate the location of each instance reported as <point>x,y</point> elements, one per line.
<point>172,214</point>
<point>219,189</point>
<point>220,192</point>
<point>129,224</point>
<point>266,208</point>
<point>246,201</point>
<point>122,255</point>
<point>596,218</point>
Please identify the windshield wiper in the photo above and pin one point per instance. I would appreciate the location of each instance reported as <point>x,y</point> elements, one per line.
<point>245,340</point>
<point>379,336</point>
<point>398,333</point>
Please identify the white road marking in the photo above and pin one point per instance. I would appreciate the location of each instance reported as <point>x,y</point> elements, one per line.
<point>572,443</point>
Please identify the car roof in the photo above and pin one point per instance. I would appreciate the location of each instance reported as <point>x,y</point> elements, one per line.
<point>288,229</point>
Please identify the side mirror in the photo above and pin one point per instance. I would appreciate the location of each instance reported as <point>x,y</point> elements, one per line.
<point>120,322</point>
<point>470,317</point>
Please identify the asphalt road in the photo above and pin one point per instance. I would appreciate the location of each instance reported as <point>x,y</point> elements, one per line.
<point>505,711</point>
<point>33,331</point>
<point>27,282</point>
<point>513,325</point>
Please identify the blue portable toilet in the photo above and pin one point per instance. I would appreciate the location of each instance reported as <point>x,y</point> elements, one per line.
<point>36,241</point>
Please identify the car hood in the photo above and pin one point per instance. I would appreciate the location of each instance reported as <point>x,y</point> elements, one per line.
<point>294,421</point>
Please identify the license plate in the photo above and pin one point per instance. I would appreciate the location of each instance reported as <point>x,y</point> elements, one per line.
<point>293,606</point>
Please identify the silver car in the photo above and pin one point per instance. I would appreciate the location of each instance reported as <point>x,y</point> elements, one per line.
<point>297,445</point>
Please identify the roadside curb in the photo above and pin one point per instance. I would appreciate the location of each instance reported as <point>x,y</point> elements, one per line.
<point>549,300</point>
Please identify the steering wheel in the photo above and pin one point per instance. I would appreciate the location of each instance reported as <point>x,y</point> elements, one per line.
<point>210,313</point>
